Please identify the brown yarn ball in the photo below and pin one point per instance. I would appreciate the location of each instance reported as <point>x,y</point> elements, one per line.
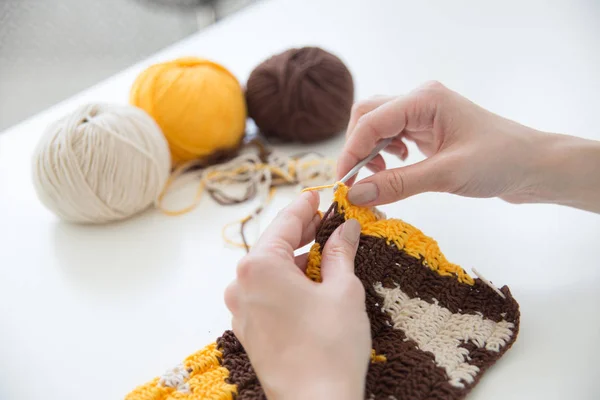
<point>301,95</point>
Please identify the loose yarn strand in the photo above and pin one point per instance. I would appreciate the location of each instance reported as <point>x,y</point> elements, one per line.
<point>249,171</point>
<point>226,239</point>
<point>243,221</point>
<point>317,188</point>
<point>245,176</point>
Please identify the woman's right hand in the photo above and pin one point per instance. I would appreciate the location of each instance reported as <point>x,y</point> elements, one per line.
<point>470,152</point>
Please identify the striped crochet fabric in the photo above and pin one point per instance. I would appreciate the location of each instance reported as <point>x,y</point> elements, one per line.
<point>435,329</point>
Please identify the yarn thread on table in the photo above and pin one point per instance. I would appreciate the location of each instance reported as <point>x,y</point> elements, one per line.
<point>435,330</point>
<point>101,163</point>
<point>256,171</point>
<point>301,95</point>
<point>198,104</point>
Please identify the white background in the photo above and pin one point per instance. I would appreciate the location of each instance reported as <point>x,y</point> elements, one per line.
<point>92,311</point>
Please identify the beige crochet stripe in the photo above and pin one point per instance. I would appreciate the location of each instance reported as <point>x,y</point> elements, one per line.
<point>437,330</point>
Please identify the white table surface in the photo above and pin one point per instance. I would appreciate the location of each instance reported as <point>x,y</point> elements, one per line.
<point>89,312</point>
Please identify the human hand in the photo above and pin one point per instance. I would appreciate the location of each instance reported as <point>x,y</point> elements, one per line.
<point>471,151</point>
<point>304,339</point>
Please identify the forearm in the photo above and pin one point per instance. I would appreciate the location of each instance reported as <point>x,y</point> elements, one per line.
<point>568,172</point>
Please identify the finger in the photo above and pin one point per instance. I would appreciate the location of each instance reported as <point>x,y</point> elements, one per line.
<point>425,141</point>
<point>377,164</point>
<point>358,110</point>
<point>340,250</point>
<point>284,234</point>
<point>231,296</point>
<point>430,175</point>
<point>301,261</point>
<point>415,111</point>
<point>362,107</point>
<point>310,231</point>
<point>399,149</point>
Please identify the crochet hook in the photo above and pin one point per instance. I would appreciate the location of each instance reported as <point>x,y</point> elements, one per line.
<point>380,146</point>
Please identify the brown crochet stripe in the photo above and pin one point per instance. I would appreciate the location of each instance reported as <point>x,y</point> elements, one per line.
<point>241,372</point>
<point>374,261</point>
<point>409,373</point>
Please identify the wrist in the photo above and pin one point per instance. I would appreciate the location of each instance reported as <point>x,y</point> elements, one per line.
<point>567,171</point>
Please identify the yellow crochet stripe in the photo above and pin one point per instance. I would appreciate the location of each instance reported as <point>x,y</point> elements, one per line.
<point>206,381</point>
<point>313,267</point>
<point>313,271</point>
<point>404,236</point>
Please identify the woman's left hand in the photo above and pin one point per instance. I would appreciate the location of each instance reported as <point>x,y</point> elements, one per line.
<point>304,339</point>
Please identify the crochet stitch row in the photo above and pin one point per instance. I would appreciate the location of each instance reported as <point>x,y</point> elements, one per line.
<point>434,329</point>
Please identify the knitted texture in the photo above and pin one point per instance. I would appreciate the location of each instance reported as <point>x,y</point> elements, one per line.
<point>435,330</point>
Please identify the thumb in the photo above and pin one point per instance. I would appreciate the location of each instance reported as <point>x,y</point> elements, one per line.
<point>399,183</point>
<point>340,250</point>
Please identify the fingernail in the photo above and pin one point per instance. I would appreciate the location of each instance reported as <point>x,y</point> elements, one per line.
<point>351,231</point>
<point>363,193</point>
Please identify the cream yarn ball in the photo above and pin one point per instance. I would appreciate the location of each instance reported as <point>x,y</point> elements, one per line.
<point>101,163</point>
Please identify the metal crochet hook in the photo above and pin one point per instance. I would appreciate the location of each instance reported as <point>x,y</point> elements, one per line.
<point>380,146</point>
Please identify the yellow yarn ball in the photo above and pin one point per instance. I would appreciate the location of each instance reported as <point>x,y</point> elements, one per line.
<point>198,104</point>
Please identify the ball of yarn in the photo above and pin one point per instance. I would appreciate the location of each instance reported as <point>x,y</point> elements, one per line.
<point>301,95</point>
<point>198,104</point>
<point>101,163</point>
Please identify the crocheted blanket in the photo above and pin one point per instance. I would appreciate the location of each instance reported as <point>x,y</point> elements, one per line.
<point>435,329</point>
